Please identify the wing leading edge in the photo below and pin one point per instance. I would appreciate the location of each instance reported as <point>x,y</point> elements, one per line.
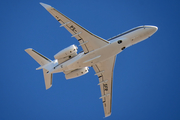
<point>88,41</point>
<point>104,71</point>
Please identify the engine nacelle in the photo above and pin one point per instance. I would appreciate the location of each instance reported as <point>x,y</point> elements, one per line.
<point>70,51</point>
<point>77,73</point>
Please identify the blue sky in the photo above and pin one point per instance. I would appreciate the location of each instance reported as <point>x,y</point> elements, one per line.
<point>146,83</point>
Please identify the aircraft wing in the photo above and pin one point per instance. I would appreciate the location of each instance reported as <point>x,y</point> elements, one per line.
<point>87,40</point>
<point>104,71</point>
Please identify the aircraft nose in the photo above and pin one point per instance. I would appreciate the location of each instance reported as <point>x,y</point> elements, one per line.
<point>152,29</point>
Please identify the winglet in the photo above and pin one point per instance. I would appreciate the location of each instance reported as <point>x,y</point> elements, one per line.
<point>46,6</point>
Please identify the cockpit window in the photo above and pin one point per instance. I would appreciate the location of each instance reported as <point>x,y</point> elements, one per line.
<point>126,32</point>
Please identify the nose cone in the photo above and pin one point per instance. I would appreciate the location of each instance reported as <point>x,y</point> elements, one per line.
<point>154,28</point>
<point>151,29</point>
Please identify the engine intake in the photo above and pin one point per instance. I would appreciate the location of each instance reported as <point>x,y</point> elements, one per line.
<point>66,53</point>
<point>77,73</point>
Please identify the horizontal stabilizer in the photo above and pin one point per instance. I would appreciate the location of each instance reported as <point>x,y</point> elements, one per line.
<point>42,60</point>
<point>47,79</point>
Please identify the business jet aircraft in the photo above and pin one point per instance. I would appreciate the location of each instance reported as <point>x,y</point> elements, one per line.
<point>97,53</point>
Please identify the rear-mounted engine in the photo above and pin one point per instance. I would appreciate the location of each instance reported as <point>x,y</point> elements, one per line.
<point>76,73</point>
<point>66,54</point>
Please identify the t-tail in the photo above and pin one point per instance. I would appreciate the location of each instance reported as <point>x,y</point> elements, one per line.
<point>43,61</point>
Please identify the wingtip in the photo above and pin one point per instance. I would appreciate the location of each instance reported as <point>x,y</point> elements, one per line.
<point>46,6</point>
<point>28,49</point>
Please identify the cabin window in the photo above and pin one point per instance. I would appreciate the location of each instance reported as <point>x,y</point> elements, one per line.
<point>119,42</point>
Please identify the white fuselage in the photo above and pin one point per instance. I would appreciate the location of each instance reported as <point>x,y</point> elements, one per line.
<point>115,46</point>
